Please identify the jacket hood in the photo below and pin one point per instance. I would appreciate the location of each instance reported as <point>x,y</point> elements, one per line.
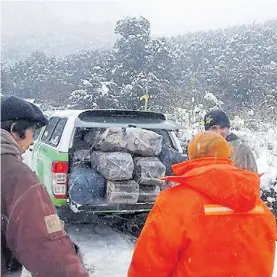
<point>9,145</point>
<point>219,180</point>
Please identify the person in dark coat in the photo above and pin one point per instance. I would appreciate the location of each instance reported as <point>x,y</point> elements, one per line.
<point>32,235</point>
<point>242,156</point>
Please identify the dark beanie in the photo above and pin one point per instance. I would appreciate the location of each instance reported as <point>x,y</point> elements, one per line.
<point>216,117</point>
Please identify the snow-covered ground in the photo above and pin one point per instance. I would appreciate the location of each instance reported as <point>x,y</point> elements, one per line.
<point>105,252</point>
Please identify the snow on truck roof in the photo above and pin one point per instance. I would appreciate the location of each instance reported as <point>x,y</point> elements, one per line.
<point>109,117</point>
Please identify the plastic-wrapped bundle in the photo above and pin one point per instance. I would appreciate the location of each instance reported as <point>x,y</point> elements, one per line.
<point>81,156</point>
<point>113,139</point>
<point>123,192</point>
<point>86,186</point>
<point>170,156</point>
<point>149,170</point>
<point>143,142</point>
<point>114,166</point>
<point>92,137</point>
<point>148,194</point>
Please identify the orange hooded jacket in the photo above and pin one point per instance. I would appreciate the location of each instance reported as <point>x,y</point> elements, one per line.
<point>211,225</point>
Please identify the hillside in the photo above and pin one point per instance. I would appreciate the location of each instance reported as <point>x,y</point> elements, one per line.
<point>238,65</point>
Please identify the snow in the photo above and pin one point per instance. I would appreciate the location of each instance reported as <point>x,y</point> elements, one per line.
<point>29,100</point>
<point>87,83</point>
<point>104,89</point>
<point>275,268</point>
<point>250,112</point>
<point>105,252</point>
<point>211,97</point>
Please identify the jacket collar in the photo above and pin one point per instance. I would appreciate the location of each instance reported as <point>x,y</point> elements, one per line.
<point>9,146</point>
<point>232,137</point>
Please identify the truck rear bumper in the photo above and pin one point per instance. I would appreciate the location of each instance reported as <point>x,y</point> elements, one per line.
<point>110,208</point>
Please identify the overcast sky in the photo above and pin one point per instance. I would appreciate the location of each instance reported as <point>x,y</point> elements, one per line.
<point>167,17</point>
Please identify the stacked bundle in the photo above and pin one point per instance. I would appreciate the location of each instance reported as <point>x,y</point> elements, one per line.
<point>128,161</point>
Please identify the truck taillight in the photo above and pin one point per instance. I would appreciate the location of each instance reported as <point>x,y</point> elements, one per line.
<point>59,179</point>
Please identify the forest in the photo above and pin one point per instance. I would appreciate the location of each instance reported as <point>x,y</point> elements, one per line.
<point>237,65</point>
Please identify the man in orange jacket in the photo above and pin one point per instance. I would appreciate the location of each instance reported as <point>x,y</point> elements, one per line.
<point>213,224</point>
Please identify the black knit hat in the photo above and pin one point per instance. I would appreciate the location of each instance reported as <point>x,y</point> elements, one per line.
<point>14,109</point>
<point>216,117</point>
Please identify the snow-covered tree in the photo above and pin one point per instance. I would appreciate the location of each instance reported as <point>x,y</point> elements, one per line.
<point>95,91</point>
<point>131,49</point>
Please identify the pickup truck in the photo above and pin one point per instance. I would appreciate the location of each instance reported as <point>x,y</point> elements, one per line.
<point>51,155</point>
